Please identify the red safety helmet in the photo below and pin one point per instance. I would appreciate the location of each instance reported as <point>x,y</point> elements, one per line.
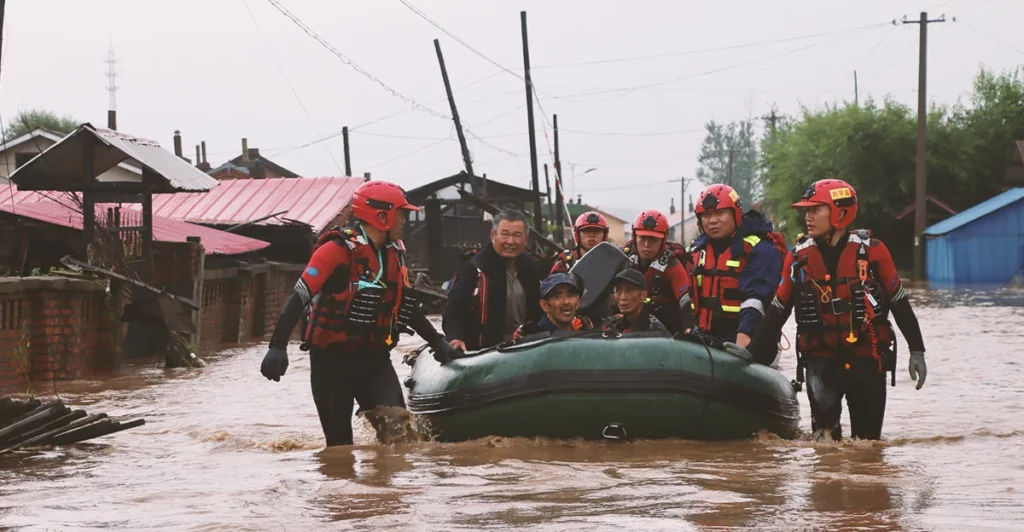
<point>650,223</point>
<point>718,196</point>
<point>377,203</point>
<point>835,193</point>
<point>589,220</point>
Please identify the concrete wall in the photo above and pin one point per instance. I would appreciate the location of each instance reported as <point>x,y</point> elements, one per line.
<point>53,328</point>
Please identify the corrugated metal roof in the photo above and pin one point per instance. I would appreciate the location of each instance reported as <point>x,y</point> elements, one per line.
<point>313,201</point>
<point>61,165</point>
<point>984,208</point>
<point>164,230</point>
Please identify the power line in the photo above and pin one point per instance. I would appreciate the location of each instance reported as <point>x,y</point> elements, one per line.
<point>290,86</point>
<point>617,134</point>
<point>403,156</point>
<point>993,39</point>
<point>865,58</point>
<point>345,59</point>
<point>893,62</point>
<point>710,50</point>
<point>713,71</point>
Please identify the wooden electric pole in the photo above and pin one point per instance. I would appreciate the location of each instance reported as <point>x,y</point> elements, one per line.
<point>547,183</point>
<point>529,119</point>
<point>559,201</point>
<point>732,157</point>
<point>348,158</point>
<point>458,123</point>
<point>682,210</point>
<point>856,92</point>
<point>921,186</point>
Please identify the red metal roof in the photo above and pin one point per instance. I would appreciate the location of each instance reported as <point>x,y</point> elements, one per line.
<point>314,201</point>
<point>164,229</point>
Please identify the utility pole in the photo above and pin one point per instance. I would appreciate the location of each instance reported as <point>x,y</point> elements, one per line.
<point>856,93</point>
<point>529,120</point>
<point>682,209</point>
<point>559,201</point>
<point>921,188</point>
<point>458,123</point>
<point>547,183</point>
<point>348,159</point>
<point>772,118</point>
<point>732,157</point>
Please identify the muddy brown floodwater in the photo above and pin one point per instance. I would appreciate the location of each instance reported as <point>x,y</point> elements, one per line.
<point>225,449</point>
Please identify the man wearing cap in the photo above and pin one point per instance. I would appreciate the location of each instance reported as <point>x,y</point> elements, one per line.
<point>560,301</point>
<point>629,288</point>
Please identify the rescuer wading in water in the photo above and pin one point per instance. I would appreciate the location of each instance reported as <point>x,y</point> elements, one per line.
<point>357,289</point>
<point>843,285</point>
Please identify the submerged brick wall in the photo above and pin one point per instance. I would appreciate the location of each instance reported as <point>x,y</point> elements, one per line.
<point>241,305</point>
<point>53,328</point>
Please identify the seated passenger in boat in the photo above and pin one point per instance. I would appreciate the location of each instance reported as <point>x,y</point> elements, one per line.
<point>560,301</point>
<point>629,288</point>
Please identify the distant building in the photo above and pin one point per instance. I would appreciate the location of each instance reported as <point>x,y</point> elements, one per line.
<point>15,153</point>
<point>981,245</point>
<point>436,238</point>
<point>617,226</point>
<point>250,165</point>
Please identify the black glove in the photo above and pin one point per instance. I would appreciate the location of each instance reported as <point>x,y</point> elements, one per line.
<point>275,363</point>
<point>443,351</point>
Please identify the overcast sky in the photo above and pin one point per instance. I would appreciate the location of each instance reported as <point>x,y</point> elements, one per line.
<point>203,67</point>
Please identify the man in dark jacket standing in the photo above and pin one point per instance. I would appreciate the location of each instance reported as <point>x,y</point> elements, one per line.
<point>496,291</point>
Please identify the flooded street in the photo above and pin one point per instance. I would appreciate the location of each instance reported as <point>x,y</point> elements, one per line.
<point>225,449</point>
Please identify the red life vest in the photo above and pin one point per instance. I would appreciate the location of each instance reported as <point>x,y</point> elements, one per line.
<point>847,313</point>
<point>661,298</point>
<point>328,325</point>
<point>715,284</point>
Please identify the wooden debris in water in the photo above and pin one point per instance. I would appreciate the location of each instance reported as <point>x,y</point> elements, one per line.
<point>33,423</point>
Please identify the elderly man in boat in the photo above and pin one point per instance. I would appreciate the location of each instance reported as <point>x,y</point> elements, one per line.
<point>560,301</point>
<point>629,289</point>
<point>494,292</point>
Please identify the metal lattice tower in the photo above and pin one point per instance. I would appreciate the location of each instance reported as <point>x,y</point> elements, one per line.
<point>112,77</point>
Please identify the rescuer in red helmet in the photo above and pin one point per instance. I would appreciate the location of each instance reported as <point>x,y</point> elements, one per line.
<point>357,287</point>
<point>664,269</point>
<point>737,260</point>
<point>843,285</point>
<point>590,229</point>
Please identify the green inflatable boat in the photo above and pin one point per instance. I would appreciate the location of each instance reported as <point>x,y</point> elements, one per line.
<point>591,385</point>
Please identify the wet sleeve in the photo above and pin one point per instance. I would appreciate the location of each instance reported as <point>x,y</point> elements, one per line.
<point>908,324</point>
<point>322,264</point>
<point>758,282</point>
<point>460,301</point>
<point>899,304</point>
<point>422,326</point>
<point>763,344</point>
<point>888,277</point>
<point>680,281</point>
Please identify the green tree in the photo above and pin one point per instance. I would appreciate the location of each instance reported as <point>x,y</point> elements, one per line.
<point>713,161</point>
<point>32,119</point>
<point>872,146</point>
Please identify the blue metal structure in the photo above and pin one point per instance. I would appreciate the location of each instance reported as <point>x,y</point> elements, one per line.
<point>981,245</point>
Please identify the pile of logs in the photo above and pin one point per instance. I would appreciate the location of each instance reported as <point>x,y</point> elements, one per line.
<point>32,423</point>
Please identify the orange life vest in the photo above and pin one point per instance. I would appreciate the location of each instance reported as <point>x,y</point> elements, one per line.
<point>329,324</point>
<point>847,313</point>
<point>715,282</point>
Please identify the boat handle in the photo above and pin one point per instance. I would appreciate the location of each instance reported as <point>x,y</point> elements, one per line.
<point>614,426</point>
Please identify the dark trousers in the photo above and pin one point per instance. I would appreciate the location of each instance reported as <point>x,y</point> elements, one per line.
<point>339,377</point>
<point>828,381</point>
